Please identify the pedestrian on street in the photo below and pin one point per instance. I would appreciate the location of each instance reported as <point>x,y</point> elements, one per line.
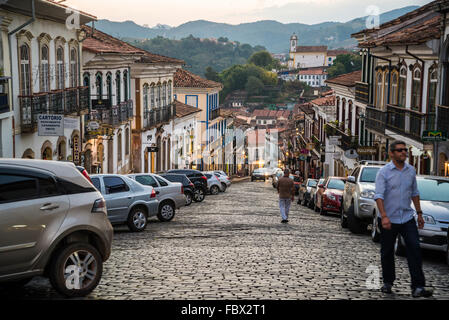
<point>286,190</point>
<point>396,188</point>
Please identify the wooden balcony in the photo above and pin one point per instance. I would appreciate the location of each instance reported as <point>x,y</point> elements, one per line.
<point>158,116</point>
<point>348,141</point>
<point>375,119</point>
<point>362,92</point>
<point>409,123</point>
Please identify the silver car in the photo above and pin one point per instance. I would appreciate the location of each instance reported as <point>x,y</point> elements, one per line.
<point>169,194</point>
<point>214,185</point>
<point>224,179</point>
<point>434,196</point>
<point>53,223</point>
<point>358,207</point>
<point>312,196</point>
<point>128,201</point>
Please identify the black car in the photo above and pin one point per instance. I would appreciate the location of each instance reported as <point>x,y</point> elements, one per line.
<point>260,174</point>
<point>197,178</point>
<point>189,187</point>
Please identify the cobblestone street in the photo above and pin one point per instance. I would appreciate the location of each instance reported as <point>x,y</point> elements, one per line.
<point>233,246</point>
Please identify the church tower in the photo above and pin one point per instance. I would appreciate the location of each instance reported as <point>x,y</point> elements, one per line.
<point>293,43</point>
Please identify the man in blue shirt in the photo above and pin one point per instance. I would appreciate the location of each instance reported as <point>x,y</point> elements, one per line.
<point>396,188</point>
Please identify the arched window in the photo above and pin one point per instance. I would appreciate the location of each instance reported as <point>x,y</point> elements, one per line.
<point>60,68</point>
<point>145,99</point>
<point>118,84</point>
<point>394,87</point>
<point>402,86</point>
<point>432,94</point>
<point>109,87</point>
<point>99,85</point>
<point>164,95</point>
<point>119,147</point>
<point>152,98</point>
<point>158,97</point>
<point>73,68</point>
<point>45,69</point>
<point>379,86</point>
<point>127,141</point>
<point>416,89</point>
<point>25,75</point>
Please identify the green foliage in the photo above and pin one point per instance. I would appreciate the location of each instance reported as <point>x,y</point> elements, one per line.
<point>211,74</point>
<point>199,54</point>
<point>345,63</point>
<point>254,86</point>
<point>264,60</point>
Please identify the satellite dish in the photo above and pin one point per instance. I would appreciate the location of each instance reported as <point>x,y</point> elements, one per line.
<point>351,154</point>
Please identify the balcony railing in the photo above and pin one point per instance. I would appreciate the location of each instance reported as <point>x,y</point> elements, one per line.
<point>158,116</point>
<point>362,92</point>
<point>348,141</point>
<point>214,114</point>
<point>83,98</point>
<point>130,113</point>
<point>409,123</point>
<point>71,100</point>
<point>375,119</point>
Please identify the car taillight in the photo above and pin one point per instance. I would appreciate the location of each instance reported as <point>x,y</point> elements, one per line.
<point>204,177</point>
<point>86,175</point>
<point>100,207</point>
<point>192,185</point>
<point>153,194</point>
<point>217,177</point>
<point>182,189</point>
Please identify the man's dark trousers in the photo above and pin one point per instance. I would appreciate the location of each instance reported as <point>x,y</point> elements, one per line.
<point>409,232</point>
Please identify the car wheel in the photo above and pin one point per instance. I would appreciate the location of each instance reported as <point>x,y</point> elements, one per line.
<point>137,219</point>
<point>214,190</point>
<point>355,224</point>
<point>76,270</point>
<point>189,198</point>
<point>322,212</point>
<point>224,186</point>
<point>375,235</point>
<point>198,196</point>
<point>166,212</point>
<point>399,248</point>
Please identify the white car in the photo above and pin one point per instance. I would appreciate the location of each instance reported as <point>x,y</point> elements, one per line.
<point>224,179</point>
<point>214,185</point>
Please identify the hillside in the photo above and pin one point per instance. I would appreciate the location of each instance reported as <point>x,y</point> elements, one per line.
<point>272,35</point>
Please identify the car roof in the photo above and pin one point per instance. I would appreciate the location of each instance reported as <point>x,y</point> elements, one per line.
<point>422,176</point>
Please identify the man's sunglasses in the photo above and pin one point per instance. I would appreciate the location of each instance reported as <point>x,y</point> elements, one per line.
<point>401,150</point>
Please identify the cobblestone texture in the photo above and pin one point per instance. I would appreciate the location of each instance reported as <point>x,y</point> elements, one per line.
<point>233,246</point>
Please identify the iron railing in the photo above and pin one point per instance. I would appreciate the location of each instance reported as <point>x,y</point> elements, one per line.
<point>409,123</point>
<point>158,116</point>
<point>375,119</point>
<point>348,141</point>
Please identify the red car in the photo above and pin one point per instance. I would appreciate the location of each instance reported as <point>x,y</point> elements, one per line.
<point>330,194</point>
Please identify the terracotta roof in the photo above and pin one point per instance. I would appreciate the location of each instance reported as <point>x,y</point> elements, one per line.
<point>183,110</point>
<point>186,79</point>
<point>337,52</point>
<point>306,108</point>
<point>54,2</point>
<point>427,29</point>
<point>347,79</point>
<point>100,42</point>
<point>311,49</point>
<point>312,72</point>
<point>325,101</point>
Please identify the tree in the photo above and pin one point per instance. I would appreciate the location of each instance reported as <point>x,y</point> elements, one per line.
<point>222,39</point>
<point>345,63</point>
<point>211,74</point>
<point>254,86</point>
<point>261,59</point>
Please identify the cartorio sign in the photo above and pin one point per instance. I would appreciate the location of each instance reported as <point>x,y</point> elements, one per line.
<point>367,151</point>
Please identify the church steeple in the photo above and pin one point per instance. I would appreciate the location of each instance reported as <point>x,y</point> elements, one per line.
<point>293,42</point>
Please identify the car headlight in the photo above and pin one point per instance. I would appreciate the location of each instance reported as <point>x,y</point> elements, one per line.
<point>368,194</point>
<point>428,219</point>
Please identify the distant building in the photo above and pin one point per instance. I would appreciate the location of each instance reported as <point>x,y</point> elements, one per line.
<point>310,56</point>
<point>314,77</point>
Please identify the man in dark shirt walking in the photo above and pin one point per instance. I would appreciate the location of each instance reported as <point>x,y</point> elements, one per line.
<point>286,190</point>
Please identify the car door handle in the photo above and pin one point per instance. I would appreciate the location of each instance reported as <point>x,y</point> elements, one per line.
<point>49,206</point>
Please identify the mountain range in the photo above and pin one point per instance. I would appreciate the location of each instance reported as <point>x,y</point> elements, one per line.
<point>271,34</point>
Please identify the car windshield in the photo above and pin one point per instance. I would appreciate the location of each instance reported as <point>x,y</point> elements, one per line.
<point>433,190</point>
<point>369,174</point>
<point>312,183</point>
<point>336,184</point>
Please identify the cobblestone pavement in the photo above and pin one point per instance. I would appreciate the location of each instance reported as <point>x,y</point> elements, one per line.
<point>233,246</point>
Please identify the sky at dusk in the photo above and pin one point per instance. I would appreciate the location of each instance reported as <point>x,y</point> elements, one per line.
<point>176,12</point>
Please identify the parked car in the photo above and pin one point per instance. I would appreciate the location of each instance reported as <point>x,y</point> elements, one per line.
<point>313,192</point>
<point>128,202</point>
<point>189,187</point>
<point>198,179</point>
<point>224,179</point>
<point>169,194</point>
<point>304,191</point>
<point>222,173</point>
<point>329,195</point>
<point>276,177</point>
<point>214,186</point>
<point>53,223</point>
<point>358,210</point>
<point>84,173</point>
<point>260,174</point>
<point>434,196</point>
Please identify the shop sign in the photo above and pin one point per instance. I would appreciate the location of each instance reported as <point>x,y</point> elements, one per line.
<point>367,151</point>
<point>50,125</point>
<point>437,135</point>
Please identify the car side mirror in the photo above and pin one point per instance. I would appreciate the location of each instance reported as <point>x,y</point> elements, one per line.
<point>351,179</point>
